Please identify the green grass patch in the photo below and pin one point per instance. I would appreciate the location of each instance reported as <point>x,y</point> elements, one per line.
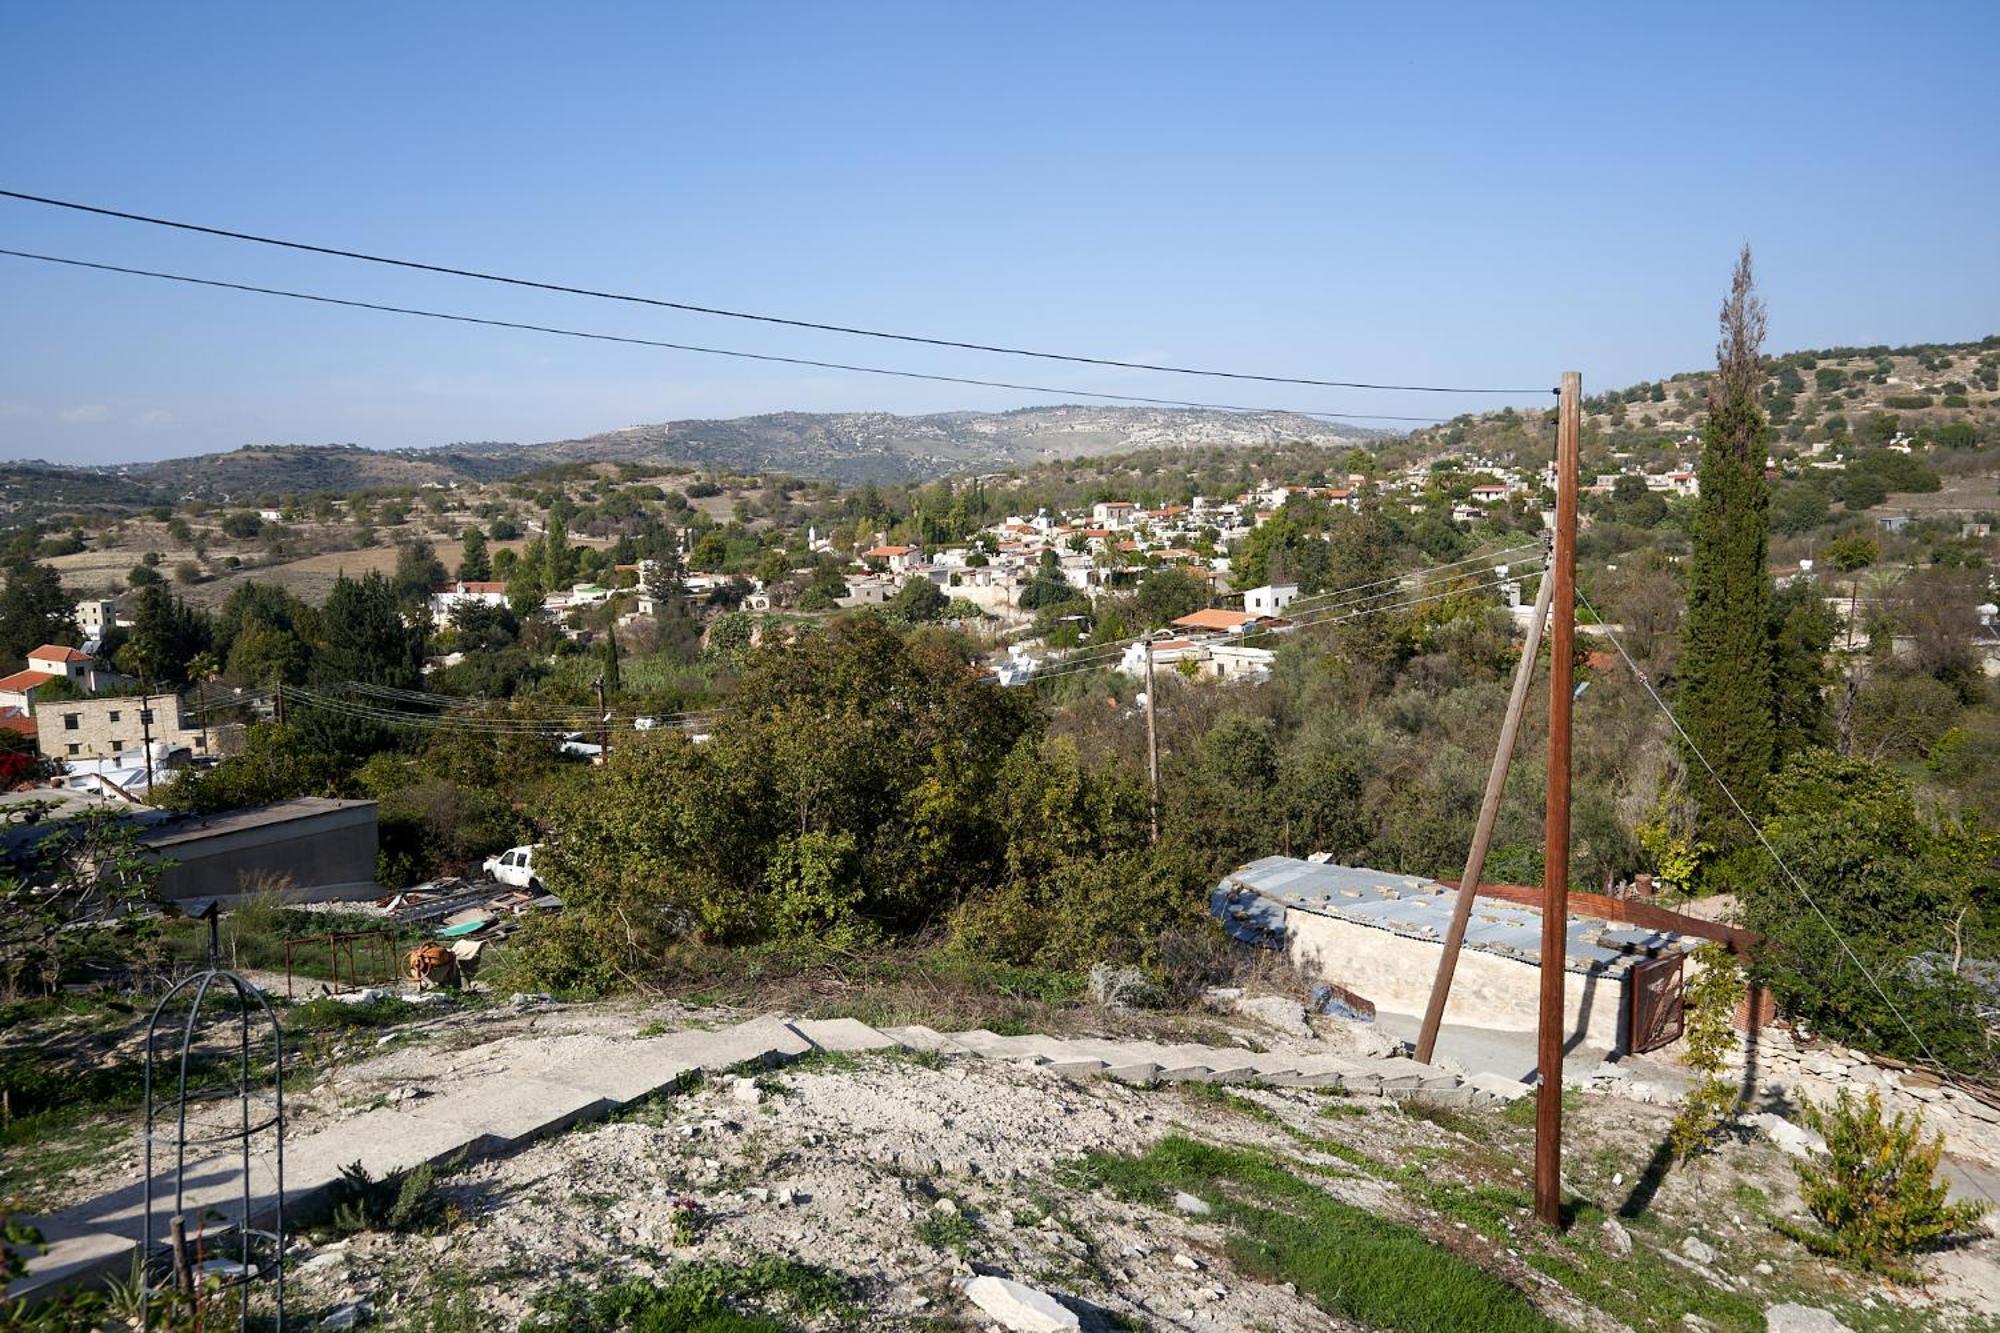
<point>1284,1228</point>
<point>761,1295</point>
<point>951,1231</point>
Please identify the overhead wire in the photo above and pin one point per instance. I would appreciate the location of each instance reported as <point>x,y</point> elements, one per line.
<point>720,312</point>
<point>1336,598</point>
<point>1757,832</point>
<point>736,353</point>
<point>1327,616</point>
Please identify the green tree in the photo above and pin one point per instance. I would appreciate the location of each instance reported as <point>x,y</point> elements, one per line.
<point>1165,595</point>
<point>918,601</point>
<point>1048,587</point>
<point>473,564</point>
<point>419,573</point>
<point>34,610</point>
<point>1802,630</point>
<point>558,569</point>
<point>612,681</point>
<point>1726,695</point>
<point>1899,893</point>
<point>363,637</point>
<point>166,635</point>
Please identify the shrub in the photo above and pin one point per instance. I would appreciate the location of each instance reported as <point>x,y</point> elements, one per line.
<point>1710,1005</point>
<point>1875,1191</point>
<point>402,1201</point>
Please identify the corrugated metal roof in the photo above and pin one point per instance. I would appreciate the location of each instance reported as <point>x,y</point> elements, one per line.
<point>1251,903</point>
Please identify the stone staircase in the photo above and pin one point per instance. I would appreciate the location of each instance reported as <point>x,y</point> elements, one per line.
<point>545,1087</point>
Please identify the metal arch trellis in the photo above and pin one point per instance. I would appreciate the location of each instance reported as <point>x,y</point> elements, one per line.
<point>258,1253</point>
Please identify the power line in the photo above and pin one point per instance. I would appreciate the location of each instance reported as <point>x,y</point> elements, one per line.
<point>1336,598</point>
<point>1645,683</point>
<point>691,308</point>
<point>736,353</point>
<point>1332,615</point>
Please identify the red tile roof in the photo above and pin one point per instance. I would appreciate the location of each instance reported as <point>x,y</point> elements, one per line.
<point>25,680</point>
<point>1215,618</point>
<point>884,552</point>
<point>55,652</point>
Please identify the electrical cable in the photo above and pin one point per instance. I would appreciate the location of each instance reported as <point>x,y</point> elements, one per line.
<point>1323,601</point>
<point>691,308</point>
<point>736,353</point>
<point>1329,616</point>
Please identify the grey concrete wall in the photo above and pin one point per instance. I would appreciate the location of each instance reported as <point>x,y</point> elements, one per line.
<point>326,857</point>
<point>1487,990</point>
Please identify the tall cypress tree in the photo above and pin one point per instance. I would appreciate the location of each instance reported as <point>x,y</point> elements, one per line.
<point>1726,697</point>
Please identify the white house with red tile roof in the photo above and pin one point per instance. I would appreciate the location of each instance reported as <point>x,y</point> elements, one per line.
<point>1215,620</point>
<point>18,690</point>
<point>468,592</point>
<point>56,660</point>
<point>899,559</point>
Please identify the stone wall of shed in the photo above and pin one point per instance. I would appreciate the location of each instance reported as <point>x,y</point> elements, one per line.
<point>1487,990</point>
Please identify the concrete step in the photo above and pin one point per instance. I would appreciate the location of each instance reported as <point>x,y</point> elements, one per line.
<point>842,1035</point>
<point>917,1037</point>
<point>534,1097</point>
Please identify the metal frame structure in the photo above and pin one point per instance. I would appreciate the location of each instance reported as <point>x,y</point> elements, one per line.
<point>381,967</point>
<point>259,1253</point>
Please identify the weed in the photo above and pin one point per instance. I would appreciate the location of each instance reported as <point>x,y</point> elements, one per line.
<point>706,1296</point>
<point>454,1303</point>
<point>947,1229</point>
<point>1521,1111</point>
<point>1286,1228</point>
<point>402,1201</point>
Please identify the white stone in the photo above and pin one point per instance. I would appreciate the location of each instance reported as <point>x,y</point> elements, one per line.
<point>1616,1238</point>
<point>1286,1015</point>
<point>1019,1308</point>
<point>745,1090</point>
<point>1801,1319</point>
<point>1187,1261</point>
<point>1793,1140</point>
<point>1189,1204</point>
<point>347,1316</point>
<point>1699,1250</point>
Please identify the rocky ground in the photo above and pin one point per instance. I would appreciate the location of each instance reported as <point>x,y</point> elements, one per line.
<point>904,1175</point>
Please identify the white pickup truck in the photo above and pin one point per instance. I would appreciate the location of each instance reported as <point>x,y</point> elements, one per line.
<point>514,867</point>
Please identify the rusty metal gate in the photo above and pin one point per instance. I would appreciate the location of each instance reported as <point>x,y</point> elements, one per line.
<point>1657,1011</point>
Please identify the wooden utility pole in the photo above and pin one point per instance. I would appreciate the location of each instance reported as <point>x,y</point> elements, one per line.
<point>1555,849</point>
<point>1152,743</point>
<point>603,725</point>
<point>1482,833</point>
<point>146,731</point>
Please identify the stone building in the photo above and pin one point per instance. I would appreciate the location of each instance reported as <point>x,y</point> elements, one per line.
<point>113,727</point>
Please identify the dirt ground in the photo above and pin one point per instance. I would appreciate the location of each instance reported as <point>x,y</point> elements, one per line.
<point>907,1175</point>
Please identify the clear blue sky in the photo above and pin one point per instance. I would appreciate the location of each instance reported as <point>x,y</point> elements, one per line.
<point>1460,194</point>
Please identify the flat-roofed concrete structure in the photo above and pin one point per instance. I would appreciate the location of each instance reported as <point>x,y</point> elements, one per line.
<point>1380,935</point>
<point>325,848</point>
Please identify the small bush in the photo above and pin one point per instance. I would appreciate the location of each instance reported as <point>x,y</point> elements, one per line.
<point>402,1201</point>
<point>1711,1000</point>
<point>1875,1191</point>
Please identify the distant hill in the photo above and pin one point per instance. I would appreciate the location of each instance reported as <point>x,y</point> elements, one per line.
<point>880,446</point>
<point>848,447</point>
<point>1947,393</point>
